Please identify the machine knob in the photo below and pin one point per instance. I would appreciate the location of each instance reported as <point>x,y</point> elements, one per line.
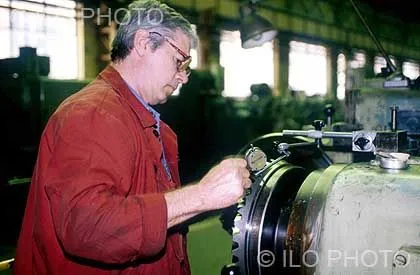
<point>329,111</point>
<point>362,142</point>
<point>230,269</point>
<point>318,124</point>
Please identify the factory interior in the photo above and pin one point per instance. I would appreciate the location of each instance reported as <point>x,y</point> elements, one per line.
<point>265,73</point>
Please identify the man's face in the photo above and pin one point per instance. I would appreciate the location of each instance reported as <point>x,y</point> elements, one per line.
<point>164,67</point>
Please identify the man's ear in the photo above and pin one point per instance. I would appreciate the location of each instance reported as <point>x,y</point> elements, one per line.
<point>141,39</point>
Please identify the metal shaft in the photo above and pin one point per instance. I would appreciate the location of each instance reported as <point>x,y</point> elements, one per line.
<point>317,134</point>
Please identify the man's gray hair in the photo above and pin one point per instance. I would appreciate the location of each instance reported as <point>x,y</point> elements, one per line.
<point>149,15</point>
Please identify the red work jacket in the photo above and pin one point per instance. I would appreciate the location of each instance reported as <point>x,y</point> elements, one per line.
<point>96,202</point>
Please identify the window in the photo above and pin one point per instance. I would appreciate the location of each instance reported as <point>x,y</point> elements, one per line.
<point>244,67</point>
<point>380,63</point>
<point>50,26</point>
<point>411,69</point>
<point>308,68</point>
<point>359,60</point>
<point>349,74</point>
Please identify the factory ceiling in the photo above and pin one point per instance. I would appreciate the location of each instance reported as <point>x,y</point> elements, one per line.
<point>404,10</point>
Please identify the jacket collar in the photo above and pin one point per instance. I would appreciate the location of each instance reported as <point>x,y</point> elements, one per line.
<point>113,78</point>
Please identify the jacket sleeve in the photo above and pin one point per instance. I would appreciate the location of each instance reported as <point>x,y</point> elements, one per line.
<point>87,186</point>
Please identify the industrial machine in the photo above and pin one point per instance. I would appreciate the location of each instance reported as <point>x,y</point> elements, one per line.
<point>305,214</point>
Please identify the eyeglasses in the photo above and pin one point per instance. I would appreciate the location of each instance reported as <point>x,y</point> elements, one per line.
<point>182,65</point>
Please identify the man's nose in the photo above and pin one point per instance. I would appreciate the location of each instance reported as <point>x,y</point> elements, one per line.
<point>182,77</point>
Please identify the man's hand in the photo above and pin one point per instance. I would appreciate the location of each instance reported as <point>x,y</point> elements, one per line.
<point>224,184</point>
<point>221,187</point>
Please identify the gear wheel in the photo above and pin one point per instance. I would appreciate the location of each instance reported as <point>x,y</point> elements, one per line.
<point>262,219</point>
<point>263,215</point>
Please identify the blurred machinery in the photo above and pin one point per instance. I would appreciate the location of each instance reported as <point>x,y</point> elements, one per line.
<point>385,109</point>
<point>28,98</point>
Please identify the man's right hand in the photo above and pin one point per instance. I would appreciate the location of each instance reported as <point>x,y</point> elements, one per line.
<point>224,184</point>
<point>221,187</point>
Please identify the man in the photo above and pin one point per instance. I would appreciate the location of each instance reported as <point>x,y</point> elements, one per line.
<point>105,196</point>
